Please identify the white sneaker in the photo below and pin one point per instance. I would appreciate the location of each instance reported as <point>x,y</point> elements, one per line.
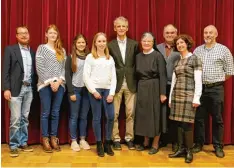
<point>75,146</point>
<point>84,144</point>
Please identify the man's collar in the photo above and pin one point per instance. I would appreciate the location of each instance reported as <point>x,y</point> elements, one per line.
<point>22,47</point>
<point>167,45</point>
<point>122,41</point>
<point>210,47</point>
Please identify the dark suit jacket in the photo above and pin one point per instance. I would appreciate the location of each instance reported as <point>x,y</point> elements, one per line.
<point>129,68</point>
<point>13,70</point>
<point>169,60</point>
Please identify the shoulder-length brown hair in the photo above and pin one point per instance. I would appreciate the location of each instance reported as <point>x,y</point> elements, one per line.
<point>73,53</point>
<point>187,39</point>
<point>58,43</point>
<point>94,48</point>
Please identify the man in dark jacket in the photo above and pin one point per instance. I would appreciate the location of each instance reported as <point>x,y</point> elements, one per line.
<point>17,85</point>
<point>124,51</point>
<point>170,56</point>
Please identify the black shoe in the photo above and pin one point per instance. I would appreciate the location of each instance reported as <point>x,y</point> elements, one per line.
<point>130,145</point>
<point>197,148</point>
<point>162,144</point>
<point>107,148</point>
<point>179,153</point>
<point>100,150</point>
<point>174,147</point>
<point>116,145</point>
<point>153,151</point>
<point>189,156</point>
<point>141,147</point>
<point>219,152</point>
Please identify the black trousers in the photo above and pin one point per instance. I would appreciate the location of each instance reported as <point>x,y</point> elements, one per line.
<point>171,135</point>
<point>211,103</point>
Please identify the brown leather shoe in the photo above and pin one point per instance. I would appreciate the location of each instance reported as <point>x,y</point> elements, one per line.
<point>55,143</point>
<point>46,145</point>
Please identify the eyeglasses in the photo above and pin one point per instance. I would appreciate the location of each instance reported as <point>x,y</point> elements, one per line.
<point>146,41</point>
<point>23,33</point>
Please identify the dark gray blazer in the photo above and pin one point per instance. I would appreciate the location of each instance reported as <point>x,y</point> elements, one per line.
<point>169,60</point>
<point>13,70</point>
<point>129,68</point>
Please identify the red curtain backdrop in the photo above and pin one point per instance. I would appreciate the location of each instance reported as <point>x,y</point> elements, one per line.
<point>92,16</point>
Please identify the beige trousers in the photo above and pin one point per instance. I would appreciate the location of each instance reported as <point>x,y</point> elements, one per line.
<point>130,102</point>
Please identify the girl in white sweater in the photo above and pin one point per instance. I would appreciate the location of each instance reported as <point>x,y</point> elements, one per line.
<point>100,79</point>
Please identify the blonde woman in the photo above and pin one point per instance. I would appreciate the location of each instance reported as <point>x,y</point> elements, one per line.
<point>100,80</point>
<point>50,66</point>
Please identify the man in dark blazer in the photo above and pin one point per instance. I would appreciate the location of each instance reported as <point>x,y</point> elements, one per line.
<point>170,56</point>
<point>18,72</point>
<point>124,51</point>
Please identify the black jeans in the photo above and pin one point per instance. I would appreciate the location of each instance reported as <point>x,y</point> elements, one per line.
<point>211,102</point>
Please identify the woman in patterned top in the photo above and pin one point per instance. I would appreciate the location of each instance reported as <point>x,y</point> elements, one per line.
<point>100,79</point>
<point>50,65</point>
<point>77,92</point>
<point>186,90</point>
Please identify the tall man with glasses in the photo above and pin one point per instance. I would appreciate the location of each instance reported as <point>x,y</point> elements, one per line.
<point>218,66</point>
<point>124,51</point>
<point>18,72</point>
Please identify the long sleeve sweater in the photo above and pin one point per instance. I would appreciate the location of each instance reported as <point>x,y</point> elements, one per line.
<point>100,74</point>
<point>48,67</point>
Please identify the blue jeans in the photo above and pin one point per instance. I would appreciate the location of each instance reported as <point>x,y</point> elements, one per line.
<point>97,114</point>
<point>79,108</point>
<point>20,108</point>
<point>50,102</point>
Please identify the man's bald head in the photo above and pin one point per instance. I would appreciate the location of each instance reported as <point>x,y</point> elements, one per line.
<point>212,28</point>
<point>210,34</point>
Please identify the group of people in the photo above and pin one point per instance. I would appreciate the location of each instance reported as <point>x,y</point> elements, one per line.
<point>166,89</point>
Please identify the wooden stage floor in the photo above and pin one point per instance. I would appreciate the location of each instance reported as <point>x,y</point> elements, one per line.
<point>124,158</point>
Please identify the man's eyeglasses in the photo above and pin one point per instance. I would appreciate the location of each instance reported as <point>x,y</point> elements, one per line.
<point>23,33</point>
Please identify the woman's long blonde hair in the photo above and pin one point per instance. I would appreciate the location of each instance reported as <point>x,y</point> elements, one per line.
<point>58,43</point>
<point>94,48</point>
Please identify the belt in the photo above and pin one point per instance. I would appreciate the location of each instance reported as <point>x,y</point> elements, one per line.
<point>26,83</point>
<point>213,84</point>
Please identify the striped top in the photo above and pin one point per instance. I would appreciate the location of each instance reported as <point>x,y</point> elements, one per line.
<point>48,67</point>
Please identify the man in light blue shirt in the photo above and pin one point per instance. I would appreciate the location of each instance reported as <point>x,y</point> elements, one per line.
<point>17,85</point>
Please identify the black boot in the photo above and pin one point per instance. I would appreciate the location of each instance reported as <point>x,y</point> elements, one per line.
<point>107,148</point>
<point>181,150</point>
<point>100,150</point>
<point>188,136</point>
<point>189,156</point>
<point>179,153</point>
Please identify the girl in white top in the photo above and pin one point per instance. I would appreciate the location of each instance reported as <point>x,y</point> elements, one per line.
<point>100,79</point>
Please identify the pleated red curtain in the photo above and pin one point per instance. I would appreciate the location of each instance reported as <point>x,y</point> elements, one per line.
<point>91,16</point>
